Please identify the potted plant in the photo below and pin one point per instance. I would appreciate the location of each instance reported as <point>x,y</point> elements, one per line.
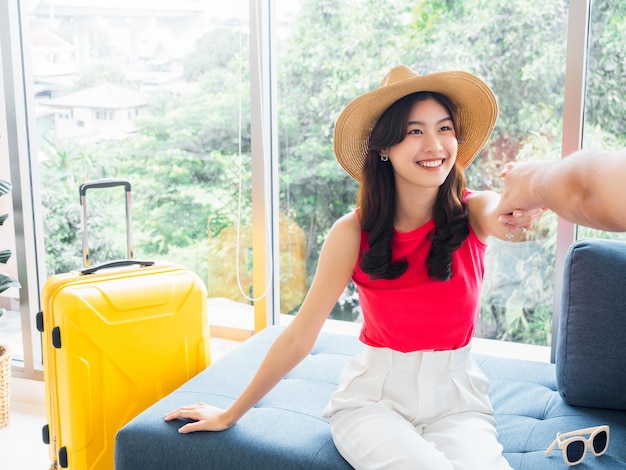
<point>6,281</point>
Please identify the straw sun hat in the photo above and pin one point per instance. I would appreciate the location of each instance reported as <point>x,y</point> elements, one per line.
<point>477,105</point>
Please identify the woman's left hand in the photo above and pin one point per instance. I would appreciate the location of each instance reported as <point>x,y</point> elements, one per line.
<point>519,221</point>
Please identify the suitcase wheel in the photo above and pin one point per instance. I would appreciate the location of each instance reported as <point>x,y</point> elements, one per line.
<point>56,337</point>
<point>45,434</point>
<point>39,321</point>
<point>63,457</point>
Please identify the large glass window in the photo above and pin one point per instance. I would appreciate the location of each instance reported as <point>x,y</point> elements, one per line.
<point>156,93</point>
<point>138,96</point>
<point>330,52</point>
<point>605,106</point>
<point>160,93</point>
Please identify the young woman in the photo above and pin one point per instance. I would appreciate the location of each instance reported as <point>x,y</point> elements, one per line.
<point>415,248</point>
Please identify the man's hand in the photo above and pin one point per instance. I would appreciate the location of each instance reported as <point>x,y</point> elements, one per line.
<point>521,188</point>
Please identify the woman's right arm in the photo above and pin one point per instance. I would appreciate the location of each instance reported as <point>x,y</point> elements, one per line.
<point>335,266</point>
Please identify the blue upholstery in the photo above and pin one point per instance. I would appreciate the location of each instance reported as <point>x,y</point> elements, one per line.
<point>591,351</point>
<point>286,431</point>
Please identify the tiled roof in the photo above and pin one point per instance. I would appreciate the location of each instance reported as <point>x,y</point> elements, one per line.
<point>106,96</point>
<point>44,39</point>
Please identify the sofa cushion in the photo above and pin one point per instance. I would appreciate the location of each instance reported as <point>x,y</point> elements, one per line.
<point>285,430</point>
<point>591,345</point>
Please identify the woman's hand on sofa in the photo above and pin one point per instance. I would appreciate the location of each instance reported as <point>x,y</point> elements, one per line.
<point>205,418</point>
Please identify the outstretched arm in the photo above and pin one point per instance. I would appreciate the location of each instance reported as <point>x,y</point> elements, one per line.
<point>587,187</point>
<point>335,266</point>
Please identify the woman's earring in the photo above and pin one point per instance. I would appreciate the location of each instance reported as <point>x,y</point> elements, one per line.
<point>384,157</point>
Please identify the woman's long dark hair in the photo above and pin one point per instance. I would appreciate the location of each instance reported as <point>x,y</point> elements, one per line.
<point>377,198</point>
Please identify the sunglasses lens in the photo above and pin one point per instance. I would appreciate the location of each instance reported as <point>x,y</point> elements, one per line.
<point>575,451</point>
<point>599,442</point>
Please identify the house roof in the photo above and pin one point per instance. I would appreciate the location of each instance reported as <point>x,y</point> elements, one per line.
<point>106,96</point>
<point>44,39</point>
<point>119,8</point>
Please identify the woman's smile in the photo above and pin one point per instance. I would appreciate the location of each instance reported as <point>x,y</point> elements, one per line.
<point>431,163</point>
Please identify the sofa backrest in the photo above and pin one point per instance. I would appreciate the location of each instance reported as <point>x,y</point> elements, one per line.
<point>591,345</point>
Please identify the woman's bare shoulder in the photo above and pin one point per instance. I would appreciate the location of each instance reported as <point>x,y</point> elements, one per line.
<point>347,228</point>
<point>349,221</point>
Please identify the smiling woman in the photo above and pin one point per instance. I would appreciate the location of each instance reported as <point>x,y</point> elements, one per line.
<point>440,262</point>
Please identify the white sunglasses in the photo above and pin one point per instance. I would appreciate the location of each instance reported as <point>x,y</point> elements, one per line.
<point>575,448</point>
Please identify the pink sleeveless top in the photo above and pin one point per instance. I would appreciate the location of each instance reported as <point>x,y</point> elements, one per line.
<point>415,312</point>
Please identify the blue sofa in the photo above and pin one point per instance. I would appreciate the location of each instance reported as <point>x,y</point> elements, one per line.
<point>532,400</point>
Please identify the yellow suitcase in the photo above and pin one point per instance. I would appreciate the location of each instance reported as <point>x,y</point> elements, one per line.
<point>116,339</point>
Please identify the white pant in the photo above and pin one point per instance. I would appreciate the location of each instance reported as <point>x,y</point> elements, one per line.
<point>419,410</point>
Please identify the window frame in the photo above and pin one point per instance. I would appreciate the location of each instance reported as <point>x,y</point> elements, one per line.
<point>572,135</point>
<point>18,97</point>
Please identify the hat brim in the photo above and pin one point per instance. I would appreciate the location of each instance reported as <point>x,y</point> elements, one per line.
<point>476,103</point>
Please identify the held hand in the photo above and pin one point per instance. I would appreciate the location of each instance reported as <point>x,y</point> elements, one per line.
<point>519,221</point>
<point>206,418</point>
<point>519,218</point>
<point>507,169</point>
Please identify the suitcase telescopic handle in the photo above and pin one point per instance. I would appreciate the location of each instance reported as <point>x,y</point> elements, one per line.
<point>103,183</point>
<point>115,264</point>
<point>106,183</point>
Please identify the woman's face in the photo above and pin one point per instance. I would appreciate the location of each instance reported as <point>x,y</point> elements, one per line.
<point>428,151</point>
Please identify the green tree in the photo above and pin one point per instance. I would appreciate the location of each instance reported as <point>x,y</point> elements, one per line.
<point>213,52</point>
<point>66,165</point>
<point>518,48</point>
<point>186,160</point>
<point>336,51</point>
<point>99,74</point>
<point>606,102</point>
